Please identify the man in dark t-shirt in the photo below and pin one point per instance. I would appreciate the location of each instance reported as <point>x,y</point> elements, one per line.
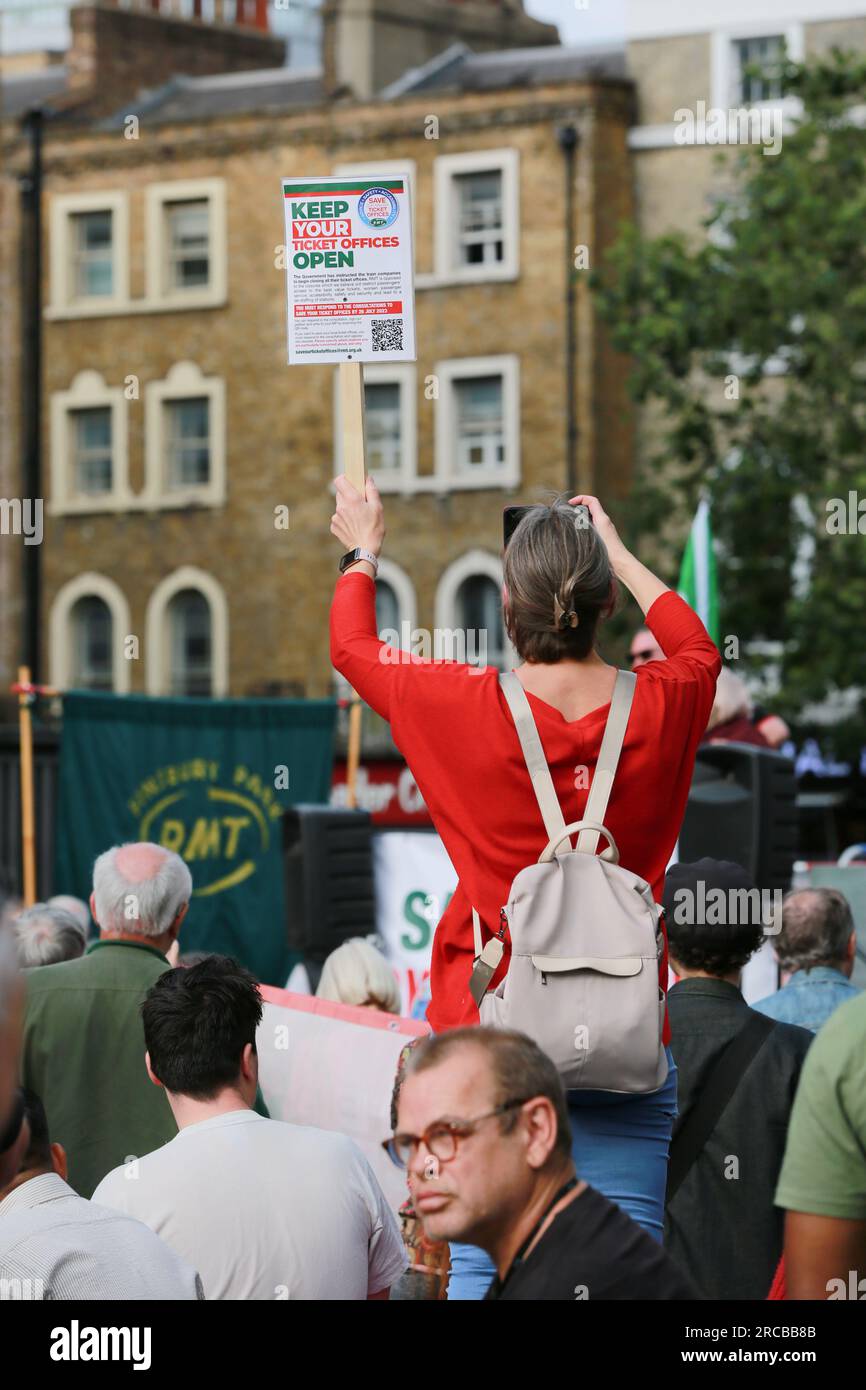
<point>483,1131</point>
<point>592,1249</point>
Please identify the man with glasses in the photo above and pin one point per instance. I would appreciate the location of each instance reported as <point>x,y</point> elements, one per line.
<point>483,1132</point>
<point>644,648</point>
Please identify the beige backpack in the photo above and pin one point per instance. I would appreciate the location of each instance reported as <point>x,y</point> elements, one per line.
<point>585,934</point>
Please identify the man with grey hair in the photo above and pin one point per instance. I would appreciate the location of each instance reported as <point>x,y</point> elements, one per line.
<point>45,935</point>
<point>815,948</point>
<point>83,1036</point>
<point>77,907</point>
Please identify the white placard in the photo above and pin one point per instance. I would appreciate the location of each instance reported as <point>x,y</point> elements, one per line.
<point>414,880</point>
<point>349,269</point>
<point>333,1067</point>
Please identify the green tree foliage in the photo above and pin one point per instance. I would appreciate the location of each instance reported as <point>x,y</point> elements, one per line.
<point>773,295</point>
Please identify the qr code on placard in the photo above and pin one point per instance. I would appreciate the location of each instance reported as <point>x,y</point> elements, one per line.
<point>387,335</point>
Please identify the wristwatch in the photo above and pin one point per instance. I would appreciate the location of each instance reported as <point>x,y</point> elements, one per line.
<point>351,557</point>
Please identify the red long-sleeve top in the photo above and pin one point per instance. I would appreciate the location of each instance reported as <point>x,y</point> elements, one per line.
<point>452,724</point>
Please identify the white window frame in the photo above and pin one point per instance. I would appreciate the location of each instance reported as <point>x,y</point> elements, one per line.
<point>445,478</point>
<point>157,635</point>
<point>88,391</point>
<point>723,67</point>
<point>404,375</point>
<point>446,271</point>
<point>63,301</point>
<point>88,585</point>
<point>184,380</point>
<point>157,198</point>
<point>467,566</point>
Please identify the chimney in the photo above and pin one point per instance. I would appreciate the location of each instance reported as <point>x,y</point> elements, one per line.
<point>368,43</point>
<point>116,53</point>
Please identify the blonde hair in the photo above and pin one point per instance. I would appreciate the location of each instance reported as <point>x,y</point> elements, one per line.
<point>732,699</point>
<point>356,973</point>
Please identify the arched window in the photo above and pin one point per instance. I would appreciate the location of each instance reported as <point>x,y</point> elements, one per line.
<point>479,616</point>
<point>387,607</point>
<point>91,661</point>
<point>190,659</point>
<point>469,612</point>
<point>88,633</point>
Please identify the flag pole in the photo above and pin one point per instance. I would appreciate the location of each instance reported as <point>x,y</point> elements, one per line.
<point>25,754</point>
<point>352,414</point>
<point>27,693</point>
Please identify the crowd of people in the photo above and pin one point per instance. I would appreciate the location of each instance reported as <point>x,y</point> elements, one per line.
<point>137,1156</point>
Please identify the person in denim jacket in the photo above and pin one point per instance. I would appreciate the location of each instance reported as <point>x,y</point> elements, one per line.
<point>815,948</point>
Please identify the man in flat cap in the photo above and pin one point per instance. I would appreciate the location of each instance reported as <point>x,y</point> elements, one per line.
<point>737,1073</point>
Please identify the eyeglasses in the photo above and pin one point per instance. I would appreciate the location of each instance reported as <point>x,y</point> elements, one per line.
<point>442,1138</point>
<point>646,655</point>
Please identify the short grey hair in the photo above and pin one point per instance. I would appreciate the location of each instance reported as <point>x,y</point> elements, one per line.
<point>46,935</point>
<point>145,908</point>
<point>357,973</point>
<point>76,906</point>
<point>816,927</point>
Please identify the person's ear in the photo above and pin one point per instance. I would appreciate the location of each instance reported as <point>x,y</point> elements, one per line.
<point>250,1064</point>
<point>181,913</point>
<point>58,1161</point>
<point>851,948</point>
<point>151,1073</point>
<point>540,1125</point>
<point>93,908</point>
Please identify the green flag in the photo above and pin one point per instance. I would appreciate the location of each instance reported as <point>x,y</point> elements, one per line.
<point>698,583</point>
<point>209,779</point>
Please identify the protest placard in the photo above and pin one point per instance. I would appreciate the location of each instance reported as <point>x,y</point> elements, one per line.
<point>349,269</point>
<point>334,1066</point>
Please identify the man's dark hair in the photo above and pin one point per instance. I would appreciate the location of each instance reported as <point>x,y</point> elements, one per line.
<point>197,1022</point>
<point>520,1070</point>
<point>38,1153</point>
<point>713,915</point>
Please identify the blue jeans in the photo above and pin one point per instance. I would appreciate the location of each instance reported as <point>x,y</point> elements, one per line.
<point>620,1147</point>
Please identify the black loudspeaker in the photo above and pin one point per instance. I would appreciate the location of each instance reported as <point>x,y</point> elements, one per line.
<point>328,875</point>
<point>742,807</point>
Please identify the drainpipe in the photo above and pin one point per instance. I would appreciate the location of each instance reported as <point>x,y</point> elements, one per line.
<point>31,375</point>
<point>569,139</point>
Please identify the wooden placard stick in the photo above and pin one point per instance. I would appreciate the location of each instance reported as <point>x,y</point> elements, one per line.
<point>25,755</point>
<point>354,466</point>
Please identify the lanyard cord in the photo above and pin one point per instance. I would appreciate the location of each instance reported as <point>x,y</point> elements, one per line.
<point>521,1254</point>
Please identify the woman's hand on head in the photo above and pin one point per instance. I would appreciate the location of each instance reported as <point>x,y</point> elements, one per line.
<point>358,521</point>
<point>605,528</point>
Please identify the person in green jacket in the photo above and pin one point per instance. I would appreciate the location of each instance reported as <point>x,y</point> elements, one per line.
<point>83,1049</point>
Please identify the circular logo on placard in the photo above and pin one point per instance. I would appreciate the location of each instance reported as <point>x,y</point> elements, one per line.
<point>378,208</point>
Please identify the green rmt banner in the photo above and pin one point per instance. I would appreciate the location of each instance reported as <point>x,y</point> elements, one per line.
<point>208,779</point>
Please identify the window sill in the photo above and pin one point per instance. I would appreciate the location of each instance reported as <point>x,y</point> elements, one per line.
<point>115,504</point>
<point>435,280</point>
<point>83,309</point>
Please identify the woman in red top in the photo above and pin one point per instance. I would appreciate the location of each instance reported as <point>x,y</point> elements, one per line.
<point>453,726</point>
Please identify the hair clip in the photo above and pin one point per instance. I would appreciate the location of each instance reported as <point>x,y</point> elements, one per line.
<point>562,618</point>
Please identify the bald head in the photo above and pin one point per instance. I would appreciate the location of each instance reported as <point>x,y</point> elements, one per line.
<point>140,862</point>
<point>140,890</point>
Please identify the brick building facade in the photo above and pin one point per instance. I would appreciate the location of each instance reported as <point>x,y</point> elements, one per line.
<point>174,431</point>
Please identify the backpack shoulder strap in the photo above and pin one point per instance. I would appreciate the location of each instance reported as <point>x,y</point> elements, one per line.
<point>691,1136</point>
<point>533,753</point>
<point>608,758</point>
